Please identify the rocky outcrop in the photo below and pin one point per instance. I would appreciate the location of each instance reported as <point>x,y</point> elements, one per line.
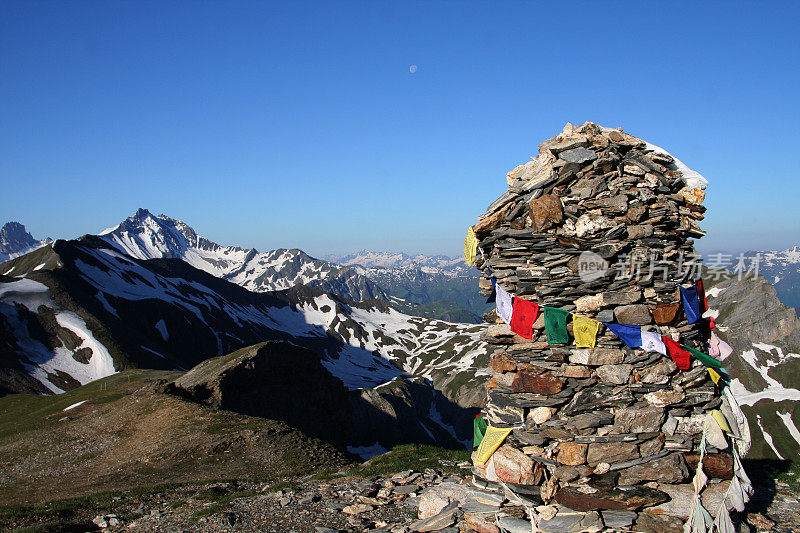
<point>282,381</point>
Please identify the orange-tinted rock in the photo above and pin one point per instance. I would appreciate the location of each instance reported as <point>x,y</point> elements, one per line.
<point>503,363</point>
<point>572,453</point>
<point>715,465</point>
<point>546,211</point>
<point>666,314</point>
<point>480,523</point>
<point>544,384</point>
<point>484,226</point>
<point>577,371</point>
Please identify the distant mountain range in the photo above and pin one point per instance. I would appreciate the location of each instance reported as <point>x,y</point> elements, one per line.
<point>430,264</point>
<point>438,286</point>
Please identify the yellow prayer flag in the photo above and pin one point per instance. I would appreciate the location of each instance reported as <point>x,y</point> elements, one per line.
<point>720,418</point>
<point>492,440</point>
<point>714,375</point>
<point>585,331</point>
<point>470,246</point>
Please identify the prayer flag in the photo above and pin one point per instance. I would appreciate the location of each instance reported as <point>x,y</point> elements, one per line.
<point>715,376</point>
<point>492,297</point>
<point>492,440</point>
<point>504,303</point>
<point>479,426</point>
<point>679,355</point>
<point>652,342</point>
<point>555,325</point>
<point>691,304</point>
<point>470,246</point>
<point>524,314</point>
<point>585,331</point>
<point>704,358</point>
<point>630,335</point>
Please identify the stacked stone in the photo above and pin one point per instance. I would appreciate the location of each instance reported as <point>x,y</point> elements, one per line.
<point>600,224</point>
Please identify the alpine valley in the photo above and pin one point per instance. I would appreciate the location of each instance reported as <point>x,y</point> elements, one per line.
<point>283,336</point>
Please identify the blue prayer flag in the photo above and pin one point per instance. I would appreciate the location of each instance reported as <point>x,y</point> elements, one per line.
<point>630,335</point>
<point>691,304</point>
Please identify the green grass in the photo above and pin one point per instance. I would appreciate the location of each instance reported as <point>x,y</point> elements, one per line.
<point>297,462</point>
<point>58,511</point>
<point>221,499</point>
<point>61,509</point>
<point>281,485</point>
<point>791,476</point>
<point>20,413</point>
<point>411,457</point>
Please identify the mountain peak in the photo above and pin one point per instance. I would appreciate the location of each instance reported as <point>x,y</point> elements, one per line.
<point>15,241</point>
<point>142,213</point>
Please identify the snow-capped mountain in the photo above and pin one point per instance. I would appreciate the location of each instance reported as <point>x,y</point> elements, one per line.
<point>16,241</point>
<point>782,269</point>
<point>765,363</point>
<point>147,236</point>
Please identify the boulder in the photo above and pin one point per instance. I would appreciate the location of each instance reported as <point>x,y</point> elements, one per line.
<point>669,469</point>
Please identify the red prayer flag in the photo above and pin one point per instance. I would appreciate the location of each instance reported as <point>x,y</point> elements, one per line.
<point>701,292</point>
<point>523,315</point>
<point>679,355</point>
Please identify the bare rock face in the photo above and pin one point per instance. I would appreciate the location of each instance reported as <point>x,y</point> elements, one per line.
<point>600,224</point>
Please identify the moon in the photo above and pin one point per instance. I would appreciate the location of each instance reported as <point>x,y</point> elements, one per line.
<point>412,69</point>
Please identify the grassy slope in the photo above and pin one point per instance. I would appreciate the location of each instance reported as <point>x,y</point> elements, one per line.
<point>128,435</point>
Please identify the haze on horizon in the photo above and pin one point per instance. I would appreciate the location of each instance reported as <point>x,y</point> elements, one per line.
<point>336,127</point>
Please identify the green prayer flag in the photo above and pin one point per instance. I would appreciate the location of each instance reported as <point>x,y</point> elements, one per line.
<point>555,325</point>
<point>703,358</point>
<point>479,430</point>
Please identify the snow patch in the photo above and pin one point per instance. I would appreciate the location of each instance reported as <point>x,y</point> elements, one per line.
<point>367,452</point>
<point>768,438</point>
<point>789,423</point>
<point>715,291</point>
<point>74,405</point>
<point>152,351</point>
<point>161,326</point>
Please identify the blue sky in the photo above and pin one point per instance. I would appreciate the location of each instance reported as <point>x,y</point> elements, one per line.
<point>299,124</point>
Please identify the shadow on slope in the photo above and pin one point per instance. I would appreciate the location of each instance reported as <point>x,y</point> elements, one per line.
<point>283,381</point>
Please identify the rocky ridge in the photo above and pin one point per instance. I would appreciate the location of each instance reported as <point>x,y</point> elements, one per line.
<point>600,224</point>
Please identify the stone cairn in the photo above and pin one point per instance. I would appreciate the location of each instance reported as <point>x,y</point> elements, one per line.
<point>601,224</point>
